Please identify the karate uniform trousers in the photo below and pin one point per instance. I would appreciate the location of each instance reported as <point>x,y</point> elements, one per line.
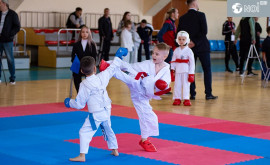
<point>140,94</point>
<point>93,92</point>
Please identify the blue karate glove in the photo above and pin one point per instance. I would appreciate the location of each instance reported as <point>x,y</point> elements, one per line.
<point>66,102</point>
<point>121,52</point>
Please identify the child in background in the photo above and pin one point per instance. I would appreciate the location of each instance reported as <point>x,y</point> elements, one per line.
<point>93,93</point>
<point>126,40</point>
<point>85,46</point>
<point>183,66</point>
<point>137,41</point>
<point>147,80</point>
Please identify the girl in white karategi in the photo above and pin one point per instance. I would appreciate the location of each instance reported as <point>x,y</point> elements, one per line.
<point>183,66</point>
<point>147,80</point>
<point>93,93</point>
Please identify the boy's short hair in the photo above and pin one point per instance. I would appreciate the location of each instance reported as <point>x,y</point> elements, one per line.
<point>127,22</point>
<point>144,21</point>
<point>268,29</point>
<point>87,65</point>
<point>163,46</point>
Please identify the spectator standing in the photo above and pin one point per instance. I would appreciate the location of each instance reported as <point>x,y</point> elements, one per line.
<point>194,23</point>
<point>9,27</point>
<point>266,48</point>
<point>121,25</point>
<point>85,46</point>
<point>258,31</point>
<point>127,41</point>
<point>137,41</point>
<point>246,31</point>
<point>228,29</point>
<point>167,33</point>
<point>105,33</point>
<point>145,33</point>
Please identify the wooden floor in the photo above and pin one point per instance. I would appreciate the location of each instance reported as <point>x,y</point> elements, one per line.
<point>248,103</point>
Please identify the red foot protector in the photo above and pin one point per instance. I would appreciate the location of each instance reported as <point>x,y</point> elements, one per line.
<point>173,152</point>
<point>187,103</point>
<point>177,102</point>
<point>148,146</point>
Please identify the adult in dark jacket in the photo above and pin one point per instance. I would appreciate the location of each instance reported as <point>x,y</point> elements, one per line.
<point>9,27</point>
<point>145,33</point>
<point>228,29</point>
<point>105,33</point>
<point>75,20</point>
<point>194,22</point>
<point>85,46</point>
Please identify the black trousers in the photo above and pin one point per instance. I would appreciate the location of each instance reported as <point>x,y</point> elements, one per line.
<point>105,49</point>
<point>169,58</point>
<point>231,50</point>
<point>146,49</point>
<point>77,80</point>
<point>204,58</point>
<point>244,50</point>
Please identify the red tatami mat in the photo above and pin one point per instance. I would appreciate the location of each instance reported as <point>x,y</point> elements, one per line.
<point>173,152</point>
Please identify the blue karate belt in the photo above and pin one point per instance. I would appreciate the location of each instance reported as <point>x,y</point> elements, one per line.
<point>92,122</point>
<point>104,133</point>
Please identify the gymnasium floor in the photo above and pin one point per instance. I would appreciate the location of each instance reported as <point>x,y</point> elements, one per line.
<point>36,128</point>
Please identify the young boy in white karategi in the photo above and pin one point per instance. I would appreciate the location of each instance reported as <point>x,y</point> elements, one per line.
<point>147,80</point>
<point>183,67</point>
<point>93,92</point>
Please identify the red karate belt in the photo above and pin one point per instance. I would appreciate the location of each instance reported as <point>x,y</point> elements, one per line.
<point>180,61</point>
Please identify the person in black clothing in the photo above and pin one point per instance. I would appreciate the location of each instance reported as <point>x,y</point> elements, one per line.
<point>9,27</point>
<point>194,23</point>
<point>246,30</point>
<point>145,32</point>
<point>75,20</point>
<point>266,48</point>
<point>228,29</point>
<point>105,33</point>
<point>258,31</point>
<point>85,46</point>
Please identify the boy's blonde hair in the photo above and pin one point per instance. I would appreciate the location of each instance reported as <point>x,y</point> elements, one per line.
<point>164,47</point>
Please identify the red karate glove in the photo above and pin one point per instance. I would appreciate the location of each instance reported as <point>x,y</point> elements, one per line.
<point>173,75</point>
<point>161,84</point>
<point>191,78</point>
<point>103,65</point>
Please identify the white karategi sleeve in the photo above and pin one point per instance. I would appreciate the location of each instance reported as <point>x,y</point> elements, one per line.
<point>107,74</point>
<point>191,63</point>
<point>81,99</point>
